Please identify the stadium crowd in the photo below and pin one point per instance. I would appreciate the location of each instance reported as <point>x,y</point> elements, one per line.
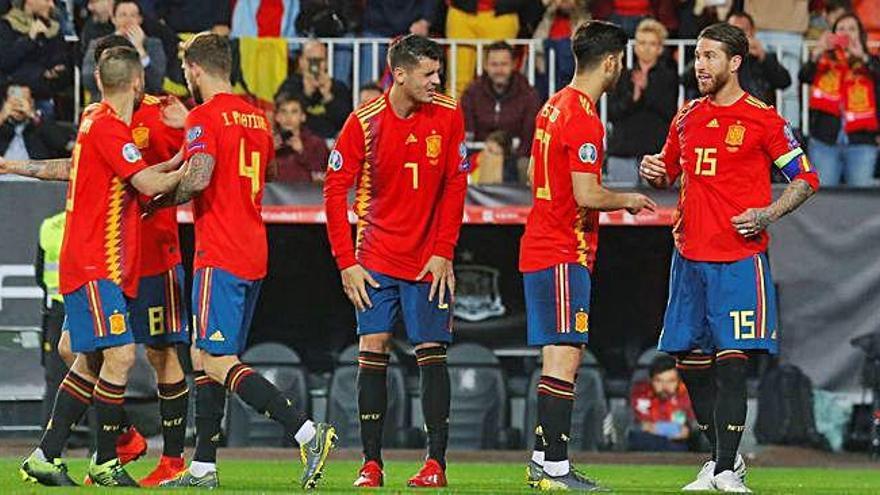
<point>42,42</point>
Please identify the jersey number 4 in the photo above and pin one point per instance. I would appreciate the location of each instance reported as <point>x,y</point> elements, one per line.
<point>251,171</point>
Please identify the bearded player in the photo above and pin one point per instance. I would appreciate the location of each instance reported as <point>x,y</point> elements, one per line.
<point>405,149</point>
<point>228,147</point>
<point>159,317</point>
<point>722,305</point>
<point>558,249</point>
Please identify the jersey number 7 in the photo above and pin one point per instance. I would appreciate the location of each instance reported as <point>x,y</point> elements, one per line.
<point>542,169</point>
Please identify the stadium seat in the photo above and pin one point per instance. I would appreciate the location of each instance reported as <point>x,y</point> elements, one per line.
<point>342,407</point>
<point>282,366</point>
<point>590,407</point>
<point>478,414</point>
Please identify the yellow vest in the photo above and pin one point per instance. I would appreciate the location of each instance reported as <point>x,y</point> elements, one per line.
<point>51,235</point>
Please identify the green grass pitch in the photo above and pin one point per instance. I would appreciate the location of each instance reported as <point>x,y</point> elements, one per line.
<point>255,476</point>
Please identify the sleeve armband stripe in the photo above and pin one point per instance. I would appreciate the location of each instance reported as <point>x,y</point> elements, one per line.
<point>785,159</point>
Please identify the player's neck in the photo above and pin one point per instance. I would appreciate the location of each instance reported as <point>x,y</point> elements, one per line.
<point>727,95</point>
<point>211,87</point>
<point>592,86</point>
<point>122,104</point>
<point>401,105</point>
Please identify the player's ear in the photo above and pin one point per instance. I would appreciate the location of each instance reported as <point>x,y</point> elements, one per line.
<point>98,81</point>
<point>735,63</point>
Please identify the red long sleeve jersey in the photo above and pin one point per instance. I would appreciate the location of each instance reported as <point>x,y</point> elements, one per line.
<point>159,238</point>
<point>102,233</point>
<point>723,155</point>
<point>411,177</point>
<point>229,227</point>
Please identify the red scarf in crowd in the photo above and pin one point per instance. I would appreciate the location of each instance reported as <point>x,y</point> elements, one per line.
<point>845,91</point>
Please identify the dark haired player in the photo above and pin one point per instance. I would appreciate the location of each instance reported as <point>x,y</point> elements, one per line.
<point>228,147</point>
<point>100,263</point>
<point>558,248</point>
<point>406,152</point>
<point>722,306</point>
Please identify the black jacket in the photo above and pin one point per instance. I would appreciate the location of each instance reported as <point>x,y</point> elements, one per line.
<point>24,61</point>
<point>824,126</point>
<point>393,17</point>
<point>760,79</point>
<point>324,119</point>
<point>501,6</point>
<point>43,140</point>
<point>640,127</point>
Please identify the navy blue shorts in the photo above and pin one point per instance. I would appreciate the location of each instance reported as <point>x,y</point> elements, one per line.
<point>719,306</point>
<point>425,321</point>
<point>224,306</point>
<point>558,305</point>
<point>159,315</point>
<point>96,315</point>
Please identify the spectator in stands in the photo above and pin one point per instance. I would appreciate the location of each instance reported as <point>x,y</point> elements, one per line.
<point>25,134</point>
<point>127,20</point>
<point>98,24</point>
<point>501,99</point>
<point>328,101</point>
<point>642,106</point>
<point>496,163</point>
<point>555,30</point>
<point>843,79</point>
<point>300,155</point>
<point>761,74</point>
<point>661,409</point>
<point>470,19</point>
<point>195,16</point>
<point>384,19</point>
<point>33,52</point>
<point>368,92</point>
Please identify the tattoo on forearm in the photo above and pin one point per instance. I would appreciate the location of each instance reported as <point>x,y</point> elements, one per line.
<point>58,169</point>
<point>196,178</point>
<point>794,195</point>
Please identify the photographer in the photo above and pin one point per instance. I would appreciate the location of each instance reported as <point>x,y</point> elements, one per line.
<point>300,155</point>
<point>24,134</point>
<point>328,101</point>
<point>843,79</point>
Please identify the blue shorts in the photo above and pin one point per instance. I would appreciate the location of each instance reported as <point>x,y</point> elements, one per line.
<point>425,321</point>
<point>224,306</point>
<point>96,315</point>
<point>558,305</point>
<point>719,306</point>
<point>159,315</point>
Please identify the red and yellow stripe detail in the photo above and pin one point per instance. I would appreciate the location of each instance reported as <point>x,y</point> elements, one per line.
<point>583,249</point>
<point>113,231</point>
<point>205,301</point>
<point>445,101</point>
<point>373,361</point>
<point>563,299</point>
<point>96,309</point>
<point>555,388</point>
<point>761,298</point>
<point>77,387</point>
<point>172,302</point>
<point>109,393</point>
<point>236,374</point>
<point>731,354</point>
<point>694,361</point>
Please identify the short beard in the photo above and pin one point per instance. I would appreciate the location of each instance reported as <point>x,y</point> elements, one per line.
<point>196,94</point>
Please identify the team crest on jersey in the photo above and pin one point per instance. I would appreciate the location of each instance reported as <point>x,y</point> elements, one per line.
<point>334,163</point>
<point>141,136</point>
<point>193,134</point>
<point>581,322</point>
<point>588,153</point>
<point>131,153</point>
<point>433,145</point>
<point>735,135</point>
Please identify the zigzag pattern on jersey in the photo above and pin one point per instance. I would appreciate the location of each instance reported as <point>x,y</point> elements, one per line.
<point>113,231</point>
<point>363,195</point>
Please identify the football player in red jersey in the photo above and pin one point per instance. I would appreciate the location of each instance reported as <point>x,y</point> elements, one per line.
<point>100,262</point>
<point>558,248</point>
<point>158,316</point>
<point>406,152</point>
<point>722,306</point>
<point>228,147</point>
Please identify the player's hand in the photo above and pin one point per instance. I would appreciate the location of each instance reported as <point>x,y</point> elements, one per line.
<point>637,202</point>
<point>756,49</point>
<point>653,167</point>
<point>751,222</point>
<point>354,280</point>
<point>174,113</point>
<point>4,169</point>
<point>172,164</point>
<point>440,269</point>
<point>420,27</point>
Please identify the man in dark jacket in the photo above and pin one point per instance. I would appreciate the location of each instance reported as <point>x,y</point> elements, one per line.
<point>24,134</point>
<point>389,19</point>
<point>501,99</point>
<point>761,73</point>
<point>33,52</point>
<point>328,101</point>
<point>642,106</point>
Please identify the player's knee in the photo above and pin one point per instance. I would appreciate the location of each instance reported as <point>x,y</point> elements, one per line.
<point>119,360</point>
<point>377,342</point>
<point>159,357</point>
<point>561,361</point>
<point>82,367</point>
<point>216,367</point>
<point>64,351</point>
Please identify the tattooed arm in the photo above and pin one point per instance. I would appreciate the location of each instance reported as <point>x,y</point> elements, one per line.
<point>200,169</point>
<point>754,220</point>
<point>58,169</point>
